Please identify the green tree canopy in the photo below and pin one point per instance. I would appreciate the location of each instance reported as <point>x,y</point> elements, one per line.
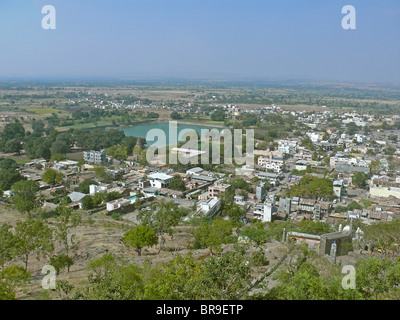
<point>25,197</point>
<point>52,176</point>
<point>33,236</point>
<point>139,237</point>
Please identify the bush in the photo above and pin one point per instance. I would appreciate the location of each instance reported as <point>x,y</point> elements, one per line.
<point>257,259</point>
<point>116,216</point>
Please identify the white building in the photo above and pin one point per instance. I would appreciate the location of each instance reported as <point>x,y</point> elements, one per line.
<point>270,163</point>
<point>314,136</point>
<point>360,138</point>
<point>264,212</point>
<point>116,204</point>
<point>210,207</point>
<point>159,180</point>
<point>93,189</point>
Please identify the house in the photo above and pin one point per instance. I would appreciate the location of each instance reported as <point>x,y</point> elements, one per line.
<point>238,199</point>
<point>194,171</point>
<point>159,180</point>
<point>218,188</point>
<point>150,192</point>
<point>264,212</point>
<point>307,205</point>
<point>340,188</point>
<point>116,204</point>
<point>76,199</point>
<point>285,205</point>
<point>96,157</point>
<point>93,189</point>
<point>271,163</point>
<point>295,202</point>
<point>76,196</point>
<point>261,191</point>
<point>326,207</point>
<point>383,187</point>
<point>209,207</point>
<point>272,177</point>
<point>8,193</point>
<point>301,165</point>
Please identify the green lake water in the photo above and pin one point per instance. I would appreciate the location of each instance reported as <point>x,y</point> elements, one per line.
<point>143,129</point>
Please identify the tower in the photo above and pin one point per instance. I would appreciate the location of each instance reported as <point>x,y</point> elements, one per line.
<point>317,212</point>
<point>332,257</point>
<point>137,150</point>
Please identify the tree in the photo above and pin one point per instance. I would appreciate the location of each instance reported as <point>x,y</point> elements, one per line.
<point>375,166</point>
<point>7,244</point>
<point>161,218</point>
<point>8,177</point>
<point>312,187</point>
<point>101,174</point>
<point>177,183</point>
<point>213,235</point>
<point>226,277</point>
<point>57,157</point>
<point>234,212</point>
<point>13,130</point>
<point>66,220</point>
<point>139,237</point>
<point>110,279</point>
<point>60,262</point>
<point>87,202</point>
<point>256,233</point>
<point>383,235</point>
<point>177,279</point>
<point>25,197</point>
<point>60,147</point>
<point>12,146</point>
<point>218,115</point>
<point>354,205</point>
<point>359,179</point>
<point>33,236</point>
<point>52,176</point>
<point>314,227</point>
<point>351,128</point>
<point>10,278</point>
<point>38,128</point>
<point>175,115</point>
<point>376,278</point>
<point>85,184</point>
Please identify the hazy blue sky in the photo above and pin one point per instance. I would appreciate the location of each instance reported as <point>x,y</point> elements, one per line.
<point>229,39</point>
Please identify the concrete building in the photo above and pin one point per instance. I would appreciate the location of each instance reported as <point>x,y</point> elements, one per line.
<point>264,212</point>
<point>284,205</point>
<point>96,157</point>
<point>383,187</point>
<point>194,171</point>
<point>261,191</point>
<point>271,163</point>
<point>301,165</point>
<point>217,189</point>
<point>340,188</point>
<point>159,180</point>
<point>343,243</point>
<point>116,204</point>
<point>210,207</point>
<point>272,177</point>
<point>93,189</point>
<point>346,167</point>
<point>307,205</point>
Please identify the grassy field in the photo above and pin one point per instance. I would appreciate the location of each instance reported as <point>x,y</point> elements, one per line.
<point>88,125</point>
<point>44,110</point>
